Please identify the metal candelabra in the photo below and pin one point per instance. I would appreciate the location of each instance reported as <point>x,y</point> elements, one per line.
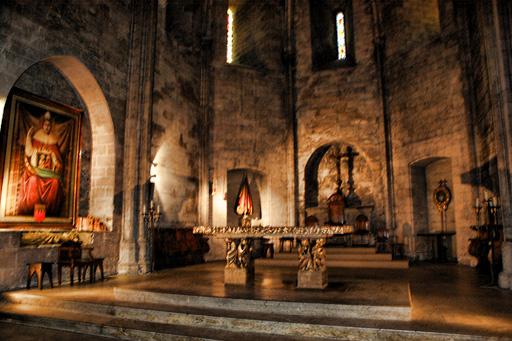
<point>151,220</point>
<point>491,207</point>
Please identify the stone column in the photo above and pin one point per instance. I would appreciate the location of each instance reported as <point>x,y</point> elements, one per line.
<point>133,255</point>
<point>498,47</point>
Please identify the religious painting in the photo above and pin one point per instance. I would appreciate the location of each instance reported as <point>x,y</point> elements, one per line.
<point>40,163</point>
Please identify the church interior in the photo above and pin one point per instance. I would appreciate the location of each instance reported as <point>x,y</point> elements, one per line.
<point>195,147</point>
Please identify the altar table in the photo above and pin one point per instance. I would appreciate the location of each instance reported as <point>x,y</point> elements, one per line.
<point>239,268</point>
<point>441,249</point>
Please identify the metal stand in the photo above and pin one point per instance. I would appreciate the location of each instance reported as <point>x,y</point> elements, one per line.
<point>491,228</point>
<point>492,210</point>
<point>151,220</point>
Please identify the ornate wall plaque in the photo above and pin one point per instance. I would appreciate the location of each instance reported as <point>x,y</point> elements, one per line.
<point>442,196</point>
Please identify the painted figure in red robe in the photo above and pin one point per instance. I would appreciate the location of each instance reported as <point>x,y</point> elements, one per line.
<point>41,182</point>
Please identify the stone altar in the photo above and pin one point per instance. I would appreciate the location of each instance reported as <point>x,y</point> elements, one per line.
<point>312,272</point>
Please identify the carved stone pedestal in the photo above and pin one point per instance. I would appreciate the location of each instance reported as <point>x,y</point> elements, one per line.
<point>239,263</point>
<point>312,279</point>
<point>312,270</point>
<point>239,276</point>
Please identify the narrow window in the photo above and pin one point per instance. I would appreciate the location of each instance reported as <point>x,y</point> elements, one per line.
<point>229,58</point>
<point>340,30</point>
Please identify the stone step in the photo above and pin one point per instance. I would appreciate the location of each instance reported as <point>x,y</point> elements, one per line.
<point>158,321</point>
<point>127,302</point>
<point>357,257</point>
<point>350,250</point>
<point>333,263</point>
<point>118,327</point>
<point>341,256</point>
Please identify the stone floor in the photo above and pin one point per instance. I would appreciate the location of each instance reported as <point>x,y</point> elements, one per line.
<point>444,298</point>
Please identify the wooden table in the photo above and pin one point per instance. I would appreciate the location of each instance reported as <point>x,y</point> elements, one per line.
<point>441,249</point>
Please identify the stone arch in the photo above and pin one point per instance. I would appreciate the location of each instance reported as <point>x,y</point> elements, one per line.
<point>311,171</point>
<point>311,176</point>
<point>102,131</point>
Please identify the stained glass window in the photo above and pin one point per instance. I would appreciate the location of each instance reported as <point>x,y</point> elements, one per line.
<point>229,58</point>
<point>340,29</point>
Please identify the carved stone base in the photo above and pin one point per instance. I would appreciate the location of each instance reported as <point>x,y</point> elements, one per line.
<point>239,276</point>
<point>505,277</point>
<point>312,279</point>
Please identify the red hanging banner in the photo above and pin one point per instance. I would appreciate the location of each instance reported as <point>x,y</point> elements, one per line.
<point>244,204</point>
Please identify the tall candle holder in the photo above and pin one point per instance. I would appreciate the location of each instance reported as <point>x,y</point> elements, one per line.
<point>477,209</point>
<point>492,209</point>
<point>151,221</point>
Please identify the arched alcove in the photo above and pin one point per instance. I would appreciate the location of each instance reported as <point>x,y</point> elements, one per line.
<point>235,178</point>
<point>425,175</point>
<point>320,176</point>
<point>99,127</point>
<point>311,176</point>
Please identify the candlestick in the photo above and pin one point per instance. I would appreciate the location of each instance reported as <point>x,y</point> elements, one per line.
<point>144,210</point>
<point>158,209</point>
<point>486,196</point>
<point>151,205</point>
<point>477,202</point>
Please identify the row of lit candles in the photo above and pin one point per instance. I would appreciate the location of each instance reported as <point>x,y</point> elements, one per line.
<point>492,202</point>
<point>151,206</point>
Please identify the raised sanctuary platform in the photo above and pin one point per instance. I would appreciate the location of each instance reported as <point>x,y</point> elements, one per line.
<point>192,302</point>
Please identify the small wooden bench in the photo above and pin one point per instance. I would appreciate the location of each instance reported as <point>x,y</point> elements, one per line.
<point>94,264</point>
<point>39,269</point>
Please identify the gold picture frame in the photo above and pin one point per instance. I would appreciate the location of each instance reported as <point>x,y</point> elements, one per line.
<point>40,162</point>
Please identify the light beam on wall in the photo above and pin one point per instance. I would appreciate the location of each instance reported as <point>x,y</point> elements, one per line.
<point>229,57</point>
<point>152,172</point>
<point>2,106</point>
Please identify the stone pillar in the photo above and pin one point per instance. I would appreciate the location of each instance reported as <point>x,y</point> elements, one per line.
<point>133,251</point>
<point>497,21</point>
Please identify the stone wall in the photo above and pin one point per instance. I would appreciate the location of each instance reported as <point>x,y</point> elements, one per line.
<point>176,106</point>
<point>95,35</point>
<point>418,21</point>
<point>342,107</point>
<point>429,120</point>
<point>248,120</point>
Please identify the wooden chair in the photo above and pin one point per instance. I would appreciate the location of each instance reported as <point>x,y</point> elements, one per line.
<point>267,247</point>
<point>92,264</point>
<point>382,243</point>
<point>362,229</point>
<point>336,209</point>
<point>70,256</point>
<point>311,221</point>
